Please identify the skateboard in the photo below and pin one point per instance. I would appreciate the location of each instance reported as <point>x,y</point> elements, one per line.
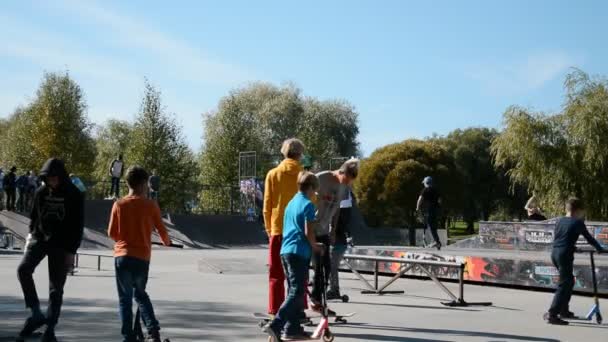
<point>266,318</point>
<point>339,318</point>
<point>343,298</point>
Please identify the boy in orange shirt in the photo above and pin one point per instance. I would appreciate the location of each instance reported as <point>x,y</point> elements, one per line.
<point>131,223</point>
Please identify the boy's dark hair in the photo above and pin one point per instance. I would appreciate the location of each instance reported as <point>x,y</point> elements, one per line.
<point>307,181</point>
<point>573,204</point>
<point>136,176</point>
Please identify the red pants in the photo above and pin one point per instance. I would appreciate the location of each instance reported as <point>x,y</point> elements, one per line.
<point>276,276</point>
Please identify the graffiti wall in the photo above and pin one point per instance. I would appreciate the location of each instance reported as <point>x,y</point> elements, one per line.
<point>525,236</point>
<point>515,271</point>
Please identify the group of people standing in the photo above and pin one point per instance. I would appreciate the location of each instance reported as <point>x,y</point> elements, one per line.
<point>17,192</point>
<point>303,220</point>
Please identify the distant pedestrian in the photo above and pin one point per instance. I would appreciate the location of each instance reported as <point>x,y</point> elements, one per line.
<point>32,185</point>
<point>533,209</point>
<point>10,188</point>
<point>428,204</point>
<point>57,224</point>
<point>1,189</point>
<point>154,185</point>
<point>567,231</point>
<point>116,171</point>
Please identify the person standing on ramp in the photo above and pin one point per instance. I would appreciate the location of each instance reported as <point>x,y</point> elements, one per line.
<point>428,204</point>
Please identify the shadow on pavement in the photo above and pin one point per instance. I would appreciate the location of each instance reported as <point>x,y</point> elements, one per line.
<point>410,306</point>
<point>374,337</point>
<point>489,335</point>
<point>98,320</point>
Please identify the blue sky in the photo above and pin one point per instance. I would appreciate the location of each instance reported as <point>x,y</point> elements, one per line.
<point>411,68</point>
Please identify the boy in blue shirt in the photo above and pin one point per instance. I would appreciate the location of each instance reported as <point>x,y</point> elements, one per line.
<point>296,250</point>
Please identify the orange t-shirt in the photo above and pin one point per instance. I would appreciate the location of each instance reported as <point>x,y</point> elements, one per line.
<point>132,221</point>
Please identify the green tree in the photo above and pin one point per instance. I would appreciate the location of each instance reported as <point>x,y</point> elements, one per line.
<point>156,143</point>
<point>563,154</point>
<point>390,181</point>
<point>482,186</point>
<point>258,118</point>
<point>54,124</point>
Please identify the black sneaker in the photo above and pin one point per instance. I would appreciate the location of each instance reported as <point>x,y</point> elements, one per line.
<point>568,315</point>
<point>331,295</point>
<point>302,335</point>
<point>555,320</point>
<point>274,335</point>
<point>48,336</point>
<point>31,325</point>
<point>153,337</point>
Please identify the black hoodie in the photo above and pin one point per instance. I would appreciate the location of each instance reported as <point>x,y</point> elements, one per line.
<point>58,215</point>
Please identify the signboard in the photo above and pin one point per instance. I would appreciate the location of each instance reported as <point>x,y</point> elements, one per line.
<point>543,237</point>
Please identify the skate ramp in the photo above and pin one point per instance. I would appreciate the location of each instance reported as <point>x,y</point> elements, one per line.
<point>220,230</point>
<point>97,218</point>
<point>19,225</point>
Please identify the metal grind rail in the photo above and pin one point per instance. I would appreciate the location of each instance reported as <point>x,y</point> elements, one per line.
<point>425,266</point>
<point>95,255</point>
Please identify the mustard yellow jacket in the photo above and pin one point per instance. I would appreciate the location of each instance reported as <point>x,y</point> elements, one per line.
<point>280,187</point>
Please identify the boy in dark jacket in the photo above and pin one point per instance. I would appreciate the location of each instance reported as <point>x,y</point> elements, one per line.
<point>56,228</point>
<point>567,231</point>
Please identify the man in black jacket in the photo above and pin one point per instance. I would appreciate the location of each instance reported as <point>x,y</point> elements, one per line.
<point>56,228</point>
<point>10,186</point>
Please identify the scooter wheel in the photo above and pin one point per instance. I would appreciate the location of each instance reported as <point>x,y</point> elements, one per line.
<point>166,340</point>
<point>328,336</point>
<point>345,299</point>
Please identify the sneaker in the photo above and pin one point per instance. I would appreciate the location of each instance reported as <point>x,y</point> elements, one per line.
<point>568,315</point>
<point>302,335</point>
<point>31,325</point>
<point>555,320</point>
<point>153,337</point>
<point>331,295</point>
<point>274,335</point>
<point>49,336</point>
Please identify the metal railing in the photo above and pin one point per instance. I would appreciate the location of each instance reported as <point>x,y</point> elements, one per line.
<point>78,256</point>
<point>407,265</point>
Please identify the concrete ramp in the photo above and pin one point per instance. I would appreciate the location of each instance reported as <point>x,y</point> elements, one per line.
<point>220,230</point>
<point>20,225</point>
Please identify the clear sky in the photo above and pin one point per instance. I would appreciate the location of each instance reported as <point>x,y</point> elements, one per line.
<point>411,68</point>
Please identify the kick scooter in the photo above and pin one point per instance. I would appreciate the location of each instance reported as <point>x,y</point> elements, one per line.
<point>595,309</point>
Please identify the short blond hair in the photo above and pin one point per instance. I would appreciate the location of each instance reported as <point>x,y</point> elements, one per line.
<point>292,148</point>
<point>350,168</point>
<point>307,181</point>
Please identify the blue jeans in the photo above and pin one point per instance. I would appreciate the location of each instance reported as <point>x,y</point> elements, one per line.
<point>131,280</point>
<point>288,317</point>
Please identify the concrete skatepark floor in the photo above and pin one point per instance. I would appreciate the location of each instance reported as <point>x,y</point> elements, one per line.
<point>195,302</point>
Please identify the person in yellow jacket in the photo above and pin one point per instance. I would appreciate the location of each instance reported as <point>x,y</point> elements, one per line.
<point>280,187</point>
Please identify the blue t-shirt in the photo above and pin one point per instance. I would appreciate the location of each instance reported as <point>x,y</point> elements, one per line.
<point>299,210</point>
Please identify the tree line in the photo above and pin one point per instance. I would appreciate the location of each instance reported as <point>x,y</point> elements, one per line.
<point>483,173</point>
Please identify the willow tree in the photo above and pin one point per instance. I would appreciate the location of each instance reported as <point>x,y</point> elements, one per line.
<point>563,154</point>
<point>53,124</point>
